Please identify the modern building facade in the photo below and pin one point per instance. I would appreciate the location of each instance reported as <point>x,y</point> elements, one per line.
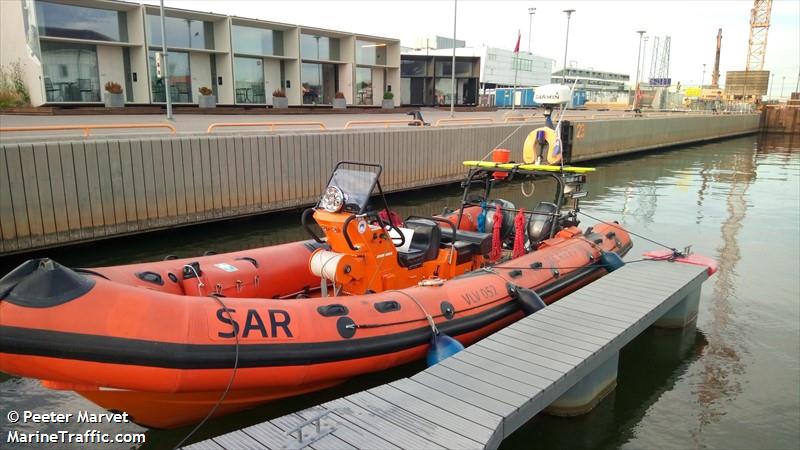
<point>500,67</point>
<point>68,50</point>
<point>437,42</point>
<point>427,80</point>
<point>592,80</point>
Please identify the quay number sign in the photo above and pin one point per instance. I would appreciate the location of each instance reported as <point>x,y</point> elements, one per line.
<point>580,131</point>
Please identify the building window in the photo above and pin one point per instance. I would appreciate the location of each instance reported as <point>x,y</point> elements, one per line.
<point>521,64</point>
<point>321,48</point>
<point>80,22</point>
<point>126,67</point>
<point>412,68</point>
<point>363,86</point>
<point>320,82</point>
<point>181,33</point>
<point>70,72</point>
<point>463,69</point>
<point>257,41</point>
<point>180,80</point>
<point>466,88</point>
<point>444,91</point>
<point>249,84</point>
<point>370,53</point>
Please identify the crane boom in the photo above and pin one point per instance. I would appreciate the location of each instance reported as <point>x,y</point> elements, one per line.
<point>759,26</point>
<point>715,73</point>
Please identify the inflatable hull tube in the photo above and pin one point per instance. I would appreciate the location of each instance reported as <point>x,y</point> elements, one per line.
<point>158,340</point>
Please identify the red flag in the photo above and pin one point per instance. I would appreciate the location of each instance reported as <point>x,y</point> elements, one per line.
<point>516,47</point>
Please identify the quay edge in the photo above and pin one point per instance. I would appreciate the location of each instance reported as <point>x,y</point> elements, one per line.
<point>68,192</point>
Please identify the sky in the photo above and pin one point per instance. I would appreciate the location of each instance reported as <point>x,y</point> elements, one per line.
<point>602,33</point>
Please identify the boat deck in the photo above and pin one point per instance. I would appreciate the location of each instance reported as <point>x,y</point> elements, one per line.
<point>483,394</point>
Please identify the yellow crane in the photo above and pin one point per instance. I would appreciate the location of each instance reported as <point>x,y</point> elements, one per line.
<point>759,27</point>
<point>752,83</point>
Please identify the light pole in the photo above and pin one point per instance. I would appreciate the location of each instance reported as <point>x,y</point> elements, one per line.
<point>165,68</point>
<point>566,45</point>
<point>531,12</point>
<point>703,77</point>
<point>638,65</point>
<point>644,53</point>
<point>771,82</point>
<point>797,85</point>
<point>453,66</point>
<point>782,83</point>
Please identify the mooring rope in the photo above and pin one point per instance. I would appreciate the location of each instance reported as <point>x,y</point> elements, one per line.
<point>230,380</point>
<point>617,226</point>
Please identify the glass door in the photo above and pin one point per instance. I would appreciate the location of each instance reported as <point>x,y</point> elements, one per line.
<point>363,86</point>
<point>311,76</point>
<point>70,72</point>
<point>249,85</point>
<point>180,80</point>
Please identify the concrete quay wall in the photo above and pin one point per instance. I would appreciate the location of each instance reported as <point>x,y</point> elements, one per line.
<point>605,138</point>
<point>59,193</point>
<point>783,119</point>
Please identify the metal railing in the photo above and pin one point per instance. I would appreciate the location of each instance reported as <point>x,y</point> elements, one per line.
<point>271,125</point>
<point>87,128</point>
<point>385,123</point>
<point>464,120</point>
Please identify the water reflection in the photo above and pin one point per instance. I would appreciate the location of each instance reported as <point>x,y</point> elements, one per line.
<point>649,366</point>
<point>722,362</point>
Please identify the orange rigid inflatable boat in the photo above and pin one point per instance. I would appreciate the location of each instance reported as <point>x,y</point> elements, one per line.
<point>166,341</point>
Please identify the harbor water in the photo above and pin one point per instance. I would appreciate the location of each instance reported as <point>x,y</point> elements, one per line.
<point>731,381</point>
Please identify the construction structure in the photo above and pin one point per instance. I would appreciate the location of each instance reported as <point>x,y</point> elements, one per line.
<point>759,28</point>
<point>660,80</point>
<point>753,82</point>
<point>659,62</point>
<point>715,73</point>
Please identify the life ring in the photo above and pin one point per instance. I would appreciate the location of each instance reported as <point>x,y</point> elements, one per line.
<point>539,140</point>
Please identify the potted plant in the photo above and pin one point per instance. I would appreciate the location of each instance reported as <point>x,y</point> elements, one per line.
<point>113,96</point>
<point>207,98</point>
<point>388,100</point>
<point>279,99</point>
<point>339,102</point>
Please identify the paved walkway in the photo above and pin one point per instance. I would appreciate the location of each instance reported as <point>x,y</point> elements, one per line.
<point>198,123</point>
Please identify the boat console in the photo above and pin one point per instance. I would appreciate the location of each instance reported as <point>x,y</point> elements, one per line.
<point>366,253</point>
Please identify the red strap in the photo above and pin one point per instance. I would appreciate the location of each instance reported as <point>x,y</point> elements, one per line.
<point>519,234</point>
<point>497,242</point>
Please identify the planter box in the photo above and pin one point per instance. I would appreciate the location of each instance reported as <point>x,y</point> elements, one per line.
<point>339,103</point>
<point>280,102</point>
<point>387,104</point>
<point>207,101</point>
<point>114,100</point>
